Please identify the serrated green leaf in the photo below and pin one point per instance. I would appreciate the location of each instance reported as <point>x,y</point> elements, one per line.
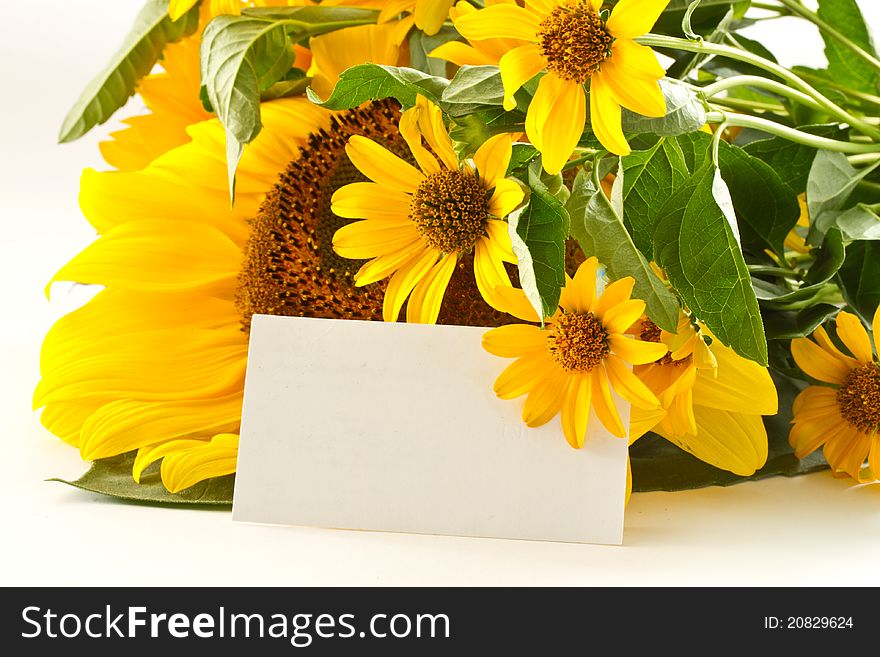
<point>421,44</point>
<point>831,182</point>
<point>695,243</point>
<point>649,177</point>
<point>141,49</point>
<point>787,325</point>
<point>112,477</point>
<point>244,55</point>
<point>472,89</point>
<point>600,232</point>
<point>685,113</point>
<point>845,67</point>
<point>538,232</point>
<point>860,277</point>
<point>366,82</point>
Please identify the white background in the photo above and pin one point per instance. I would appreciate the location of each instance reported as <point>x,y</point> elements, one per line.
<point>811,530</point>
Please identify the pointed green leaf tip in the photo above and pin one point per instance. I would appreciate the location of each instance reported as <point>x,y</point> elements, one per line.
<point>141,49</point>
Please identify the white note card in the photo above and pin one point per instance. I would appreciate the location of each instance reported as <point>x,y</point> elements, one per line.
<point>395,427</point>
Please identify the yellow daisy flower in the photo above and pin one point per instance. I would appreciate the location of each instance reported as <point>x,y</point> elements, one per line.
<point>418,223</point>
<point>713,398</point>
<point>843,417</point>
<point>577,46</point>
<point>582,355</point>
<point>485,52</point>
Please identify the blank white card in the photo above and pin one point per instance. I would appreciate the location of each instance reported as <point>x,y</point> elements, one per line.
<point>395,427</point>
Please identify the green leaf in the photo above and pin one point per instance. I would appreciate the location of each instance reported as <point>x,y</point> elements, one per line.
<point>294,83</point>
<point>141,49</point>
<point>521,157</point>
<point>244,55</point>
<point>469,132</point>
<point>832,180</point>
<point>538,232</point>
<point>766,207</point>
<point>859,223</point>
<point>787,325</point>
<point>112,477</point>
<point>600,232</point>
<point>420,44</point>
<point>845,67</point>
<point>790,160</point>
<point>860,277</point>
<point>685,113</point>
<point>657,464</point>
<point>366,82</point>
<point>694,241</point>
<point>649,177</point>
<point>472,89</point>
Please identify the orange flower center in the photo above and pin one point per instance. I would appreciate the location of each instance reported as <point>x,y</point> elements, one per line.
<point>859,398</point>
<point>578,342</point>
<point>450,209</point>
<point>574,41</point>
<point>651,333</point>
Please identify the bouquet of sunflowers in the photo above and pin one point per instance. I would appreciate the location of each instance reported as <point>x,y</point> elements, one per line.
<point>635,199</point>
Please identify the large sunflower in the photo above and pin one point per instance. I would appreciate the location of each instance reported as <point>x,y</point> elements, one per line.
<point>843,415</point>
<point>713,398</point>
<point>582,355</point>
<point>576,45</point>
<point>155,361</point>
<point>419,223</point>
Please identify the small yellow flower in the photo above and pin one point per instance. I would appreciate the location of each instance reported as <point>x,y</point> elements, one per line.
<point>582,355</point>
<point>577,46</point>
<point>417,224</point>
<point>843,416</point>
<point>713,398</point>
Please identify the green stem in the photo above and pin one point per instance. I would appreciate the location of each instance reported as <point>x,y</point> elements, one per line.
<point>750,105</point>
<point>775,271</point>
<point>849,91</point>
<point>662,41</point>
<point>757,123</point>
<point>575,163</point>
<point>761,83</point>
<point>797,8</point>
<point>863,159</point>
<point>769,7</point>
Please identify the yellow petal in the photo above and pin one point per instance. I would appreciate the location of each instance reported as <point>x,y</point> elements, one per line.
<point>431,14</point>
<point>817,363</point>
<point>382,166</point>
<point>814,398</point>
<point>385,265</point>
<point>576,410</point>
<point>514,340</point>
<point>605,116</point>
<point>409,130</point>
<point>361,240</point>
<point>368,200</point>
<point>157,255</point>
<point>636,352</point>
<point>632,18</point>
<point>641,96</point>
<point>730,441</point>
<point>739,385</point>
<point>518,66</point>
<point>149,454</point>
<point>492,159</point>
<point>404,280</point>
<point>603,403</point>
<point>434,131</point>
<point>498,22</point>
<point>489,272</point>
<point>847,451</point>
<point>583,287</point>
<point>621,317</point>
<point>820,335</point>
<point>627,385</point>
<point>215,458</point>
<point>854,336</point>
<point>641,421</point>
<point>177,8</point>
<point>875,326</point>
<point>545,400</point>
<point>462,54</point>
<point>561,109</point>
<point>505,198</point>
<point>616,293</point>
<point>499,239</point>
<point>636,60</point>
<point>424,303</point>
<point>522,375</point>
<point>513,301</point>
